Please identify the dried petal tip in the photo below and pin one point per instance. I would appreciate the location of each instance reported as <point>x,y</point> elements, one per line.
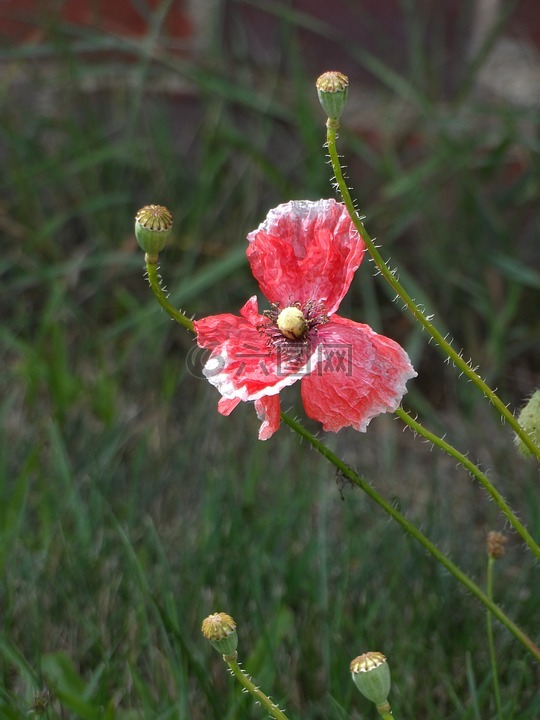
<point>220,630</point>
<point>529,419</point>
<point>371,675</point>
<point>153,225</point>
<point>495,544</point>
<point>333,89</point>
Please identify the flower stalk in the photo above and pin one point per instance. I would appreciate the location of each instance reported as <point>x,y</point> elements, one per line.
<point>246,682</point>
<point>491,643</point>
<point>410,528</point>
<point>357,479</point>
<point>475,471</point>
<point>390,277</point>
<point>220,630</point>
<point>495,550</point>
<point>155,283</point>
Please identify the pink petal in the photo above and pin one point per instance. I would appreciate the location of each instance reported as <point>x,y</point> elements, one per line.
<point>226,405</point>
<point>268,410</point>
<point>214,329</point>
<point>241,365</point>
<point>305,251</point>
<point>363,374</point>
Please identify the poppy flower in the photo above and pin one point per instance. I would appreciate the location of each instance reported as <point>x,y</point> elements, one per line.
<point>304,256</point>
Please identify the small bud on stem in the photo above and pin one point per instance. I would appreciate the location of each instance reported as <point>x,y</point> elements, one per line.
<point>529,419</point>
<point>220,630</point>
<point>371,675</point>
<point>153,226</point>
<point>333,89</point>
<point>495,544</point>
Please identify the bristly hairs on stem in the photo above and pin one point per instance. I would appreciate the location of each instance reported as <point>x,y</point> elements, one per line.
<point>475,472</point>
<point>364,485</point>
<point>331,137</point>
<point>155,281</point>
<point>412,530</point>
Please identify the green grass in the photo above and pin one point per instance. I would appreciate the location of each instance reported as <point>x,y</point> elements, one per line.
<point>129,509</point>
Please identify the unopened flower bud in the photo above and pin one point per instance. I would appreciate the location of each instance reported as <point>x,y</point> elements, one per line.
<point>371,675</point>
<point>220,630</point>
<point>495,544</point>
<point>153,226</point>
<point>529,419</point>
<point>333,89</point>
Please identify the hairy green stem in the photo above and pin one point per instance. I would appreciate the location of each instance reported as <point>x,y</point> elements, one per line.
<point>491,644</point>
<point>357,479</point>
<point>246,682</point>
<point>475,471</point>
<point>390,277</point>
<point>452,568</point>
<point>346,471</point>
<point>155,283</point>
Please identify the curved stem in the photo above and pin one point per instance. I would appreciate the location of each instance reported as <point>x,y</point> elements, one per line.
<point>155,283</point>
<point>270,707</point>
<point>477,473</point>
<point>491,644</point>
<point>357,479</point>
<point>431,548</point>
<point>390,277</point>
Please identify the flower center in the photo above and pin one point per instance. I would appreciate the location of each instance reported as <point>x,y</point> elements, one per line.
<point>292,331</point>
<point>292,323</point>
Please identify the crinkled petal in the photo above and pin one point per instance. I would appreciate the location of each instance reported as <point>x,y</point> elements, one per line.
<point>214,329</point>
<point>305,251</point>
<point>241,364</point>
<point>268,410</point>
<point>362,375</point>
<point>226,405</point>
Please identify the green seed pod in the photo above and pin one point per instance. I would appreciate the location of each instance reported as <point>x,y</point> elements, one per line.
<point>153,226</point>
<point>333,89</point>
<point>371,675</point>
<point>529,419</point>
<point>220,630</point>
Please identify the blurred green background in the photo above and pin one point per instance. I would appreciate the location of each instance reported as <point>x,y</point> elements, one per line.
<point>129,509</point>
